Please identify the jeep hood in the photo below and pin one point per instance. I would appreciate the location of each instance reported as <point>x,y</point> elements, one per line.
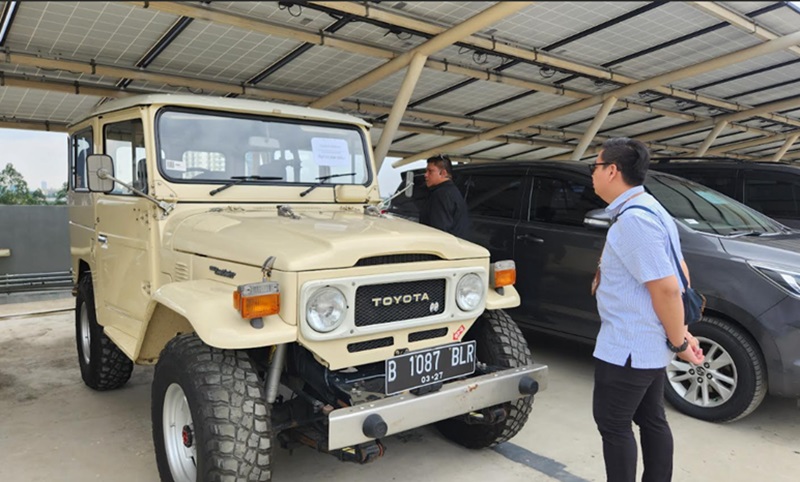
<point>318,240</point>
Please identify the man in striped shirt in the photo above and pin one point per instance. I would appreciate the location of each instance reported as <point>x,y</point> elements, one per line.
<point>641,310</point>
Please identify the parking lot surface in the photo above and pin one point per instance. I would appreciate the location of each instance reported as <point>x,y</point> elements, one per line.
<point>52,427</point>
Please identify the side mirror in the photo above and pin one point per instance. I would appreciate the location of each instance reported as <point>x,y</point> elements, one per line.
<point>409,189</point>
<point>598,219</point>
<point>100,169</point>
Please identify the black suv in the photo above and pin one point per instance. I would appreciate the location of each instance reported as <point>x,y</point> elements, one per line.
<point>546,216</point>
<point>771,188</point>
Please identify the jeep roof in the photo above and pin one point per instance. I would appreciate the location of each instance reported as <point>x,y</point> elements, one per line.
<point>226,104</point>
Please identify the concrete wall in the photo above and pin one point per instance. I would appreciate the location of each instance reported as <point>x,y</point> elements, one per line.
<point>38,237</point>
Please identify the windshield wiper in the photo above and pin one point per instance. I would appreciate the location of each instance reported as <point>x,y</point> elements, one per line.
<point>738,234</point>
<point>241,179</point>
<point>322,180</point>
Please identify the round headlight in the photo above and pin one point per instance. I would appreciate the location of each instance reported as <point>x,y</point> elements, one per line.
<point>469,292</point>
<point>326,309</point>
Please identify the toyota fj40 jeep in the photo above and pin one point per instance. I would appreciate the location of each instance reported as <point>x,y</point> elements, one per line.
<point>238,246</point>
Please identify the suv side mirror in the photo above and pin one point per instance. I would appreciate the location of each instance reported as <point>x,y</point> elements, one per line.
<point>598,219</point>
<point>409,189</point>
<point>100,168</point>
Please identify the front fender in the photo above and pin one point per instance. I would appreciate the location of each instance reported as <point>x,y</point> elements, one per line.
<point>208,306</point>
<point>496,301</point>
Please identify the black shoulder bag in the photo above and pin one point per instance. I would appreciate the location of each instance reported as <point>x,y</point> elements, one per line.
<point>693,302</point>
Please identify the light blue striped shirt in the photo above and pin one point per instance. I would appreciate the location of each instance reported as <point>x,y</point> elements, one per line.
<point>637,250</point>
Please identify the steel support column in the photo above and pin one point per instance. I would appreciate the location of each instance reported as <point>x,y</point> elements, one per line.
<point>711,137</point>
<point>399,108</point>
<point>591,131</point>
<point>786,145</point>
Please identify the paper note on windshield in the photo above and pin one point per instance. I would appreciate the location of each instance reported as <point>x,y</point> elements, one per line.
<point>711,197</point>
<point>330,152</point>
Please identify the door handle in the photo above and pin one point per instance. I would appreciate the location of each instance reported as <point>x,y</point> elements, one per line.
<point>102,239</point>
<point>529,237</point>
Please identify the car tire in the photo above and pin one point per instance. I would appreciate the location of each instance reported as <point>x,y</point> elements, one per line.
<point>499,343</point>
<point>731,382</point>
<point>103,365</point>
<point>220,391</point>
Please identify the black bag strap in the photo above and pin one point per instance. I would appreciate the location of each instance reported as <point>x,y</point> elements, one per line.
<point>669,238</point>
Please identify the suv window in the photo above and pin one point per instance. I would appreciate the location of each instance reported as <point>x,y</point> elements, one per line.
<point>771,192</point>
<point>497,196</point>
<point>722,180</point>
<point>561,201</point>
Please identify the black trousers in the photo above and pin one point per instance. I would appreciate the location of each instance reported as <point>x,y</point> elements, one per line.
<point>623,395</point>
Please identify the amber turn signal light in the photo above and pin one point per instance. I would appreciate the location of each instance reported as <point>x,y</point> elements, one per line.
<point>503,273</point>
<point>256,300</point>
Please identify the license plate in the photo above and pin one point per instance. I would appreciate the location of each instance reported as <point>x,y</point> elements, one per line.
<point>420,368</point>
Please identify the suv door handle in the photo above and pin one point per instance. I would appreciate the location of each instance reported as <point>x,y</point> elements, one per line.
<point>102,239</point>
<point>529,237</point>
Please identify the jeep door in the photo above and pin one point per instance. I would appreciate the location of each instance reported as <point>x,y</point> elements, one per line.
<point>556,255</point>
<point>125,240</point>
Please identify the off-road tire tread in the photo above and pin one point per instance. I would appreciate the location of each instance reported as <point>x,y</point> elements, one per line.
<point>508,348</point>
<point>743,408</point>
<point>109,368</point>
<point>236,439</point>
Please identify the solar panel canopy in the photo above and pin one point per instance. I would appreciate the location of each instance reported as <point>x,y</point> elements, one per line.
<point>481,81</point>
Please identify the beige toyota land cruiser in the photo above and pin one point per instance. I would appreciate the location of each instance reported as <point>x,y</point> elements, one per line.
<point>240,247</point>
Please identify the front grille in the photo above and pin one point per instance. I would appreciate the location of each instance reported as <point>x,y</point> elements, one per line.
<point>427,334</point>
<point>370,345</point>
<point>409,300</point>
<point>396,259</point>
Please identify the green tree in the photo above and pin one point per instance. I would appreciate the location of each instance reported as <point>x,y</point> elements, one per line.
<point>13,188</point>
<point>61,195</point>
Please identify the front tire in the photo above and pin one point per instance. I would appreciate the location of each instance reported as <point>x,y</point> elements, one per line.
<point>499,343</point>
<point>103,365</point>
<point>210,418</point>
<point>731,382</point>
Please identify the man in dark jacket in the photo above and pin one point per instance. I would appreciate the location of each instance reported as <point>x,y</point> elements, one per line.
<point>445,209</point>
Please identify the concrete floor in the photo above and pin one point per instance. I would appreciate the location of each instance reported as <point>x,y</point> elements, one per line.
<point>52,427</point>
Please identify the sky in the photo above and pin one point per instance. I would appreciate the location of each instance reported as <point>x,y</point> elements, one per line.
<point>42,157</point>
<point>39,156</point>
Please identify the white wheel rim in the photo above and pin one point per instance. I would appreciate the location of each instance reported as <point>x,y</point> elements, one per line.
<point>86,336</point>
<point>176,416</point>
<point>709,384</point>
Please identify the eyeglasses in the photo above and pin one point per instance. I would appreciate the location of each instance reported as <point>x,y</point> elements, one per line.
<point>594,165</point>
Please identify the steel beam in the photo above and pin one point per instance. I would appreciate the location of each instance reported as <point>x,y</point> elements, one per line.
<point>679,74</point>
<point>477,22</point>
<point>536,57</point>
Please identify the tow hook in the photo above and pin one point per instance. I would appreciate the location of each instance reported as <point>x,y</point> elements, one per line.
<point>528,386</point>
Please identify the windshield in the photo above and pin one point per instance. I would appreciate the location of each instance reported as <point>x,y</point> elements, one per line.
<point>215,148</point>
<point>706,210</point>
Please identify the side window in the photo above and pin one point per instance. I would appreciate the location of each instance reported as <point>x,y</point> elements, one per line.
<point>81,146</point>
<point>722,180</point>
<point>124,142</point>
<point>772,193</point>
<point>560,201</point>
<point>497,196</point>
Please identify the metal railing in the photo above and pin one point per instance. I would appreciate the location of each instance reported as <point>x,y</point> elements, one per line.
<point>15,283</point>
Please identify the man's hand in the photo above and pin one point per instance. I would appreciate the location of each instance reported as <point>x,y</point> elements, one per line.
<point>693,353</point>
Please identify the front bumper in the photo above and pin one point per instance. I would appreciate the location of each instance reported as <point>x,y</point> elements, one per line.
<point>406,411</point>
